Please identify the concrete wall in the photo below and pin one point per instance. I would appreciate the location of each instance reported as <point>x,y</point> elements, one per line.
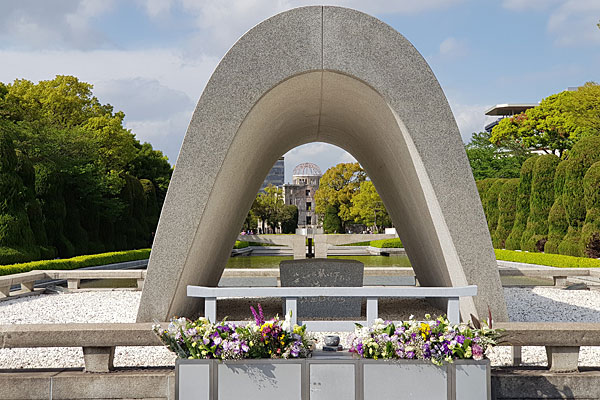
<point>339,76</point>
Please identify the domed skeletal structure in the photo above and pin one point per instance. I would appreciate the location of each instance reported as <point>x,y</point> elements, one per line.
<point>307,169</point>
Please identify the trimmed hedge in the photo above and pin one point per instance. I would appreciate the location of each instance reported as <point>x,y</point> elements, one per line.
<point>380,244</point>
<point>239,244</point>
<point>507,200</point>
<point>387,243</point>
<point>590,233</point>
<point>551,260</point>
<point>557,218</point>
<point>541,200</point>
<point>482,187</point>
<point>490,204</point>
<point>367,243</point>
<point>581,157</point>
<point>77,262</point>
<point>513,242</point>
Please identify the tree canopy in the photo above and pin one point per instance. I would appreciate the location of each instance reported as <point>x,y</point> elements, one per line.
<point>556,124</point>
<point>270,208</point>
<point>89,184</point>
<point>367,207</point>
<point>489,161</point>
<point>337,187</point>
<point>346,196</point>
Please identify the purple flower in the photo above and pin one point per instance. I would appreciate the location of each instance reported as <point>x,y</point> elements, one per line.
<point>477,352</point>
<point>258,316</point>
<point>460,339</point>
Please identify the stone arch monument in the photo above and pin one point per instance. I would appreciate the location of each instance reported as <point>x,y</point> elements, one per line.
<point>333,75</point>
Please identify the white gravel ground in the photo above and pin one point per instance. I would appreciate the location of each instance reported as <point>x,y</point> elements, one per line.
<point>524,304</point>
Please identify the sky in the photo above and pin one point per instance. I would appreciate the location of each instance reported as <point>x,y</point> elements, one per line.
<point>152,58</point>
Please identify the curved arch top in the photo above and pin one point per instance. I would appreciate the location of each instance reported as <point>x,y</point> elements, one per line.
<point>335,75</point>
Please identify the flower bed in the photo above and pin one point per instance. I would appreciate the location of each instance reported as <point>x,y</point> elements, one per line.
<point>269,360</point>
<point>436,340</point>
<point>202,339</point>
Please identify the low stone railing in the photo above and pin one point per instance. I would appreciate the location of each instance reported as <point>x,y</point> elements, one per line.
<point>27,280</point>
<point>98,340</point>
<point>561,339</point>
<point>559,275</point>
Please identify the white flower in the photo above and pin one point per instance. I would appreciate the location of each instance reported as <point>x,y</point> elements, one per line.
<point>287,323</point>
<point>378,323</point>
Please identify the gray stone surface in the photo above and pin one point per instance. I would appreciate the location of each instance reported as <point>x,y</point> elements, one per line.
<point>98,359</point>
<point>321,272</point>
<point>562,358</point>
<point>538,384</point>
<point>334,75</point>
<point>260,380</point>
<point>76,384</point>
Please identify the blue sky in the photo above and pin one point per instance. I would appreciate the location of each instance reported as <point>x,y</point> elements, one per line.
<point>152,58</point>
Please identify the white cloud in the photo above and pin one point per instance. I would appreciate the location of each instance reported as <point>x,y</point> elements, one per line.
<point>470,118</point>
<point>521,5</point>
<point>54,24</point>
<point>144,99</point>
<point>452,48</point>
<point>571,22</point>
<point>168,67</point>
<point>574,22</point>
<point>155,113</point>
<point>221,23</point>
<point>157,89</point>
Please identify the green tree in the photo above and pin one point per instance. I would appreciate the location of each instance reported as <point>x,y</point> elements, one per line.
<point>152,165</point>
<point>288,217</point>
<point>513,241</point>
<point>506,212</point>
<point>331,220</point>
<point>337,187</point>
<point>581,157</point>
<point>557,218</point>
<point>541,200</point>
<point>489,161</point>
<point>367,207</point>
<point>268,205</point>
<point>556,124</point>
<point>80,169</point>
<point>17,242</point>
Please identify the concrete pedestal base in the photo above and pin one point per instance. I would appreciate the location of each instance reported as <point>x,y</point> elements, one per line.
<point>98,359</point>
<point>562,358</point>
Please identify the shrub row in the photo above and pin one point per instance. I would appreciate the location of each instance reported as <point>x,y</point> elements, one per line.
<point>387,243</point>
<point>240,244</point>
<point>77,262</point>
<point>554,207</point>
<point>551,260</point>
<point>380,244</point>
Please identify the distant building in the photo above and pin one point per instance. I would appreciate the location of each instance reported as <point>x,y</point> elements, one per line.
<point>301,193</point>
<point>275,176</point>
<point>505,110</point>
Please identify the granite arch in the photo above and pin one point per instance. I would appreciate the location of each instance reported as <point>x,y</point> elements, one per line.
<point>333,75</point>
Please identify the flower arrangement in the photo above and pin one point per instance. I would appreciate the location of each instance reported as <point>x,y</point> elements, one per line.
<point>436,340</point>
<point>226,341</point>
